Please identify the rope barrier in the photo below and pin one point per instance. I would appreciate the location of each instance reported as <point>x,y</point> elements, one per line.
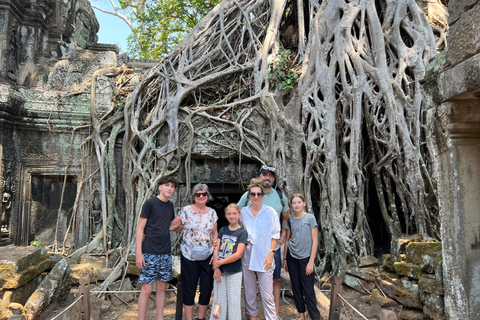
<point>58,315</point>
<point>361,315</point>
<point>133,291</point>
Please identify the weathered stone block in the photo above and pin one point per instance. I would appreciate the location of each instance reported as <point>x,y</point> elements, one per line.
<point>95,272</point>
<point>399,245</point>
<point>408,269</point>
<point>423,254</point>
<point>408,314</point>
<point>429,284</point>
<point>20,265</point>
<point>364,274</point>
<point>120,298</point>
<point>401,294</point>
<point>367,261</point>
<point>438,268</point>
<point>434,313</point>
<point>434,301</point>
<point>51,288</point>
<point>464,38</point>
<point>387,315</point>
<point>356,283</point>
<point>20,295</point>
<point>384,302</point>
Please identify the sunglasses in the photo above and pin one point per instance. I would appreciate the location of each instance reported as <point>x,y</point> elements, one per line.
<point>256,194</point>
<point>200,194</point>
<point>268,168</point>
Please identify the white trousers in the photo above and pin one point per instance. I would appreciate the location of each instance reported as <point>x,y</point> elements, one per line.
<point>265,281</point>
<point>228,292</point>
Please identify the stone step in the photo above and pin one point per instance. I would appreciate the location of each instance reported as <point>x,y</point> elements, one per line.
<point>19,265</point>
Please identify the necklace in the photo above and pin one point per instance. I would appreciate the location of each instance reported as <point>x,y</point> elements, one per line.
<point>200,211</point>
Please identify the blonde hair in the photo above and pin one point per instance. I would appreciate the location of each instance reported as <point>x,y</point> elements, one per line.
<point>234,205</point>
<point>255,183</point>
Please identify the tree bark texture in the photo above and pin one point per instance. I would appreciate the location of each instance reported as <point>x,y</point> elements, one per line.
<point>354,121</point>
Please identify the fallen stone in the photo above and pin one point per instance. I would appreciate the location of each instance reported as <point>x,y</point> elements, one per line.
<point>423,254</point>
<point>368,261</point>
<point>357,284</point>
<point>19,265</point>
<point>429,284</point>
<point>121,298</point>
<point>367,274</point>
<point>387,315</point>
<point>399,245</point>
<point>51,288</point>
<point>401,294</point>
<point>408,269</point>
<point>95,271</point>
<point>381,300</point>
<point>20,295</point>
<point>408,314</point>
<point>434,313</point>
<point>434,301</point>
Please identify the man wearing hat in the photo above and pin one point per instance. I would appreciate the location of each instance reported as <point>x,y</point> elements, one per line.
<point>278,201</point>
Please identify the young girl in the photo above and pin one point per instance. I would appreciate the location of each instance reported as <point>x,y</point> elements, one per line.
<point>228,265</point>
<point>300,249</point>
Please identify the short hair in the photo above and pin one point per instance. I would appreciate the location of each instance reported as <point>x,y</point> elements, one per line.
<point>168,179</point>
<point>201,186</point>
<point>297,195</point>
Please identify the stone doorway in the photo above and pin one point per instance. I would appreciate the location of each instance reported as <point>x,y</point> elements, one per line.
<point>223,195</point>
<point>45,207</point>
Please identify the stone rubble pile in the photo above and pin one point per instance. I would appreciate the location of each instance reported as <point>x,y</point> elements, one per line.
<point>405,284</point>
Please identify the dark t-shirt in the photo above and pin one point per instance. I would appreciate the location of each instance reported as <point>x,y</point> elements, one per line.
<point>229,241</point>
<point>159,215</point>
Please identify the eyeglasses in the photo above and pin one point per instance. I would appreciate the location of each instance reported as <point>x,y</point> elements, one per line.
<point>256,194</point>
<point>200,194</point>
<point>267,168</point>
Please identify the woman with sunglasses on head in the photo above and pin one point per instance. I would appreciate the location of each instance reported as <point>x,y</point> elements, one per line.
<point>199,224</point>
<point>263,228</point>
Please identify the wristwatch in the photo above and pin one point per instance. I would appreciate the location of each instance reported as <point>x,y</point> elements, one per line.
<point>272,250</point>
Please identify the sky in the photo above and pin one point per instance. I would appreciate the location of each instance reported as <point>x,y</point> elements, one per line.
<point>112,29</point>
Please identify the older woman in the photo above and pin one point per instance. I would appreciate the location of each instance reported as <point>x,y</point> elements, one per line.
<point>199,224</point>
<point>263,228</point>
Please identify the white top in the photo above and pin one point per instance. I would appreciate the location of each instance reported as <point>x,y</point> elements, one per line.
<point>261,230</point>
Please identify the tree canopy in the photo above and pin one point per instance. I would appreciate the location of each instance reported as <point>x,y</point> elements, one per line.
<point>158,25</point>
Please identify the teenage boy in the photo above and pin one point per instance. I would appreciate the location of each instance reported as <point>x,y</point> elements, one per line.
<point>154,250</point>
<point>279,202</point>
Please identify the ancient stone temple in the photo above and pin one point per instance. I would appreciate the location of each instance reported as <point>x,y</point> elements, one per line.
<point>44,68</point>
<point>49,85</point>
<point>454,82</point>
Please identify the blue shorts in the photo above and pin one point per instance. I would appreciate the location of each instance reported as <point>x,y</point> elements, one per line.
<point>278,264</point>
<point>157,267</point>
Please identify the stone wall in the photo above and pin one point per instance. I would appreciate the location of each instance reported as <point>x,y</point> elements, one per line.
<point>453,80</point>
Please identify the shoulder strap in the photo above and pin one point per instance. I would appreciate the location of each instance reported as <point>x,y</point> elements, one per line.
<point>280,195</point>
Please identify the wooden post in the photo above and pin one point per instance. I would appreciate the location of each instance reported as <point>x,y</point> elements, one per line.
<point>335,301</point>
<point>179,307</point>
<point>84,288</point>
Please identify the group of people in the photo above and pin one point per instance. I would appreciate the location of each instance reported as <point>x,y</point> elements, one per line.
<point>247,248</point>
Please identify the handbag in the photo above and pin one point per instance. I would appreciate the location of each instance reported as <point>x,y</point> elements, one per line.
<point>200,253</point>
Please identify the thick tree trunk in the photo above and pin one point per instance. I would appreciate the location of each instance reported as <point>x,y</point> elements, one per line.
<point>356,114</point>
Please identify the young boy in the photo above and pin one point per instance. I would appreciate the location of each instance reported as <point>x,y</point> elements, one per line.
<point>154,252</point>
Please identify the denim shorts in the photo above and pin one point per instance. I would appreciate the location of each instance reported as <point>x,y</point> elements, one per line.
<point>157,267</point>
